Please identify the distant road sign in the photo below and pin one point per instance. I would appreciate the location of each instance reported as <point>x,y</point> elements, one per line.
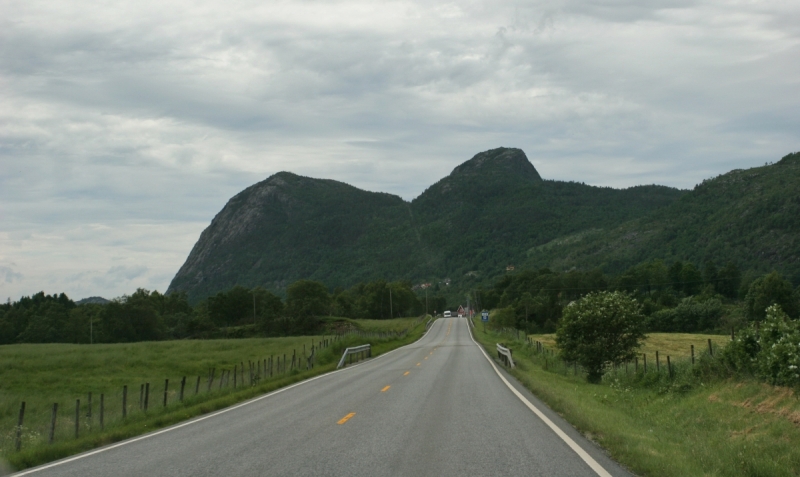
<point>484,316</point>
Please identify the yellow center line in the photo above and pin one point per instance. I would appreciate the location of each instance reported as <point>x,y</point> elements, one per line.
<point>418,364</point>
<point>426,357</point>
<point>346,418</point>
<point>406,373</point>
<point>385,389</point>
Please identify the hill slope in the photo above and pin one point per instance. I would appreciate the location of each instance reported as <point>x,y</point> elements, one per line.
<point>485,215</point>
<point>750,217</point>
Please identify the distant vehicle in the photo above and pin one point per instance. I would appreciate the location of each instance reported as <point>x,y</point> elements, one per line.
<point>447,314</point>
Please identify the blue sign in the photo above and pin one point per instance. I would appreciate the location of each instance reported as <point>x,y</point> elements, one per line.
<point>484,316</point>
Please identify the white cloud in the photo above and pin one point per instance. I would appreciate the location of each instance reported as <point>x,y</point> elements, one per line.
<point>150,115</point>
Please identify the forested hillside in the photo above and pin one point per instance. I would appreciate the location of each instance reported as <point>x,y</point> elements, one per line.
<point>748,217</point>
<point>467,227</point>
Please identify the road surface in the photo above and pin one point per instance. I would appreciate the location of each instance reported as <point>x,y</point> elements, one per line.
<point>437,407</point>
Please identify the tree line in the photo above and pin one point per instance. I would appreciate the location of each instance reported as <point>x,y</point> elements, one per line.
<point>675,297</point>
<point>149,315</point>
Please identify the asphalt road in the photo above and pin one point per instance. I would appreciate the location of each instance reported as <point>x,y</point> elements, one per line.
<point>437,407</point>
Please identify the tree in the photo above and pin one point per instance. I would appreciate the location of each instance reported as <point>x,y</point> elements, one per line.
<point>306,300</point>
<point>600,329</point>
<point>771,289</point>
<point>730,279</point>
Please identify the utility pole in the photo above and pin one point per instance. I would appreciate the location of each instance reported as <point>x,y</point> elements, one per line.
<point>426,302</point>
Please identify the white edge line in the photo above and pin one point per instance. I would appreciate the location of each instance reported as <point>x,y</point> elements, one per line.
<point>599,470</point>
<point>208,416</point>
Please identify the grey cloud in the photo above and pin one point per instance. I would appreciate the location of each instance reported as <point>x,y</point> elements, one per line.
<point>158,112</point>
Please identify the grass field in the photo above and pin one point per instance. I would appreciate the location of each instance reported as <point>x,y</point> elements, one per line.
<point>44,374</point>
<point>667,344</point>
<point>662,427</point>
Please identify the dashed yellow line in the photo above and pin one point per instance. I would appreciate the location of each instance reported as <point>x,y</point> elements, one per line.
<point>346,418</point>
<point>418,364</point>
<point>385,389</point>
<point>406,373</point>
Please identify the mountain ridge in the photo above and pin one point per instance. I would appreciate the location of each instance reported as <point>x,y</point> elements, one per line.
<point>491,211</point>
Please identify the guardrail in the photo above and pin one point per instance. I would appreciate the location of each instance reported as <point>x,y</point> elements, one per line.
<point>505,355</point>
<point>365,349</point>
<point>428,324</point>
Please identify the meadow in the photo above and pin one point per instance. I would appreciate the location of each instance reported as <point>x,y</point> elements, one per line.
<point>677,345</point>
<point>694,423</point>
<point>44,374</point>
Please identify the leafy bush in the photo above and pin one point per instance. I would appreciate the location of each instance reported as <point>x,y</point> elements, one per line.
<point>599,330</point>
<point>771,351</point>
<point>779,358</point>
<point>691,315</point>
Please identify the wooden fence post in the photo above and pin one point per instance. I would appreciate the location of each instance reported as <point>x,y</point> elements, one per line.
<point>183,385</point>
<point>19,425</point>
<point>102,410</point>
<point>644,361</point>
<point>692,354</point>
<point>89,410</point>
<point>636,364</point>
<point>710,349</point>
<point>669,367</point>
<point>141,397</point>
<point>658,363</point>
<point>53,422</point>
<point>235,373</point>
<point>166,389</point>
<point>211,378</point>
<point>77,417</point>
<point>197,387</point>
<point>146,395</point>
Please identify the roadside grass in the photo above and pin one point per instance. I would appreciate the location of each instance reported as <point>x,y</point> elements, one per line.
<point>45,374</point>
<point>394,324</point>
<point>691,424</point>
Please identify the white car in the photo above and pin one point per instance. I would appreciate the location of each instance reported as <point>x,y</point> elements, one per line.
<point>446,314</point>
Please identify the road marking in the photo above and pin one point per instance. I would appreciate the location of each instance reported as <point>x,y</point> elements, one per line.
<point>214,414</point>
<point>426,357</point>
<point>596,467</point>
<point>418,364</point>
<point>406,373</point>
<point>385,389</point>
<point>346,418</point>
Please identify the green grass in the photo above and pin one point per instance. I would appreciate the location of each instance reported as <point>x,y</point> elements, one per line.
<point>656,426</point>
<point>667,344</point>
<point>44,374</point>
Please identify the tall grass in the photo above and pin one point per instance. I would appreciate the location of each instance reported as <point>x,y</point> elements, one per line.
<point>693,423</point>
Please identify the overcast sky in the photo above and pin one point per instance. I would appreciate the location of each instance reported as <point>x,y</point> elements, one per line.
<point>126,126</point>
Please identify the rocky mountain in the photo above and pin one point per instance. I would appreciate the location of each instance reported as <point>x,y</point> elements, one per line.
<point>487,214</point>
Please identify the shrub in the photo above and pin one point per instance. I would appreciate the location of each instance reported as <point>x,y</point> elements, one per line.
<point>779,357</point>
<point>599,330</point>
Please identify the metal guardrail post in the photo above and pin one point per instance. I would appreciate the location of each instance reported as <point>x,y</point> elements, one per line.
<point>367,349</point>
<point>505,355</point>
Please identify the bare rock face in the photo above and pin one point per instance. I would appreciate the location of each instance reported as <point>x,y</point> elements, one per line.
<point>280,229</point>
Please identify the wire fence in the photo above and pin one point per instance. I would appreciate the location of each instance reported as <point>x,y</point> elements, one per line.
<point>95,411</point>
